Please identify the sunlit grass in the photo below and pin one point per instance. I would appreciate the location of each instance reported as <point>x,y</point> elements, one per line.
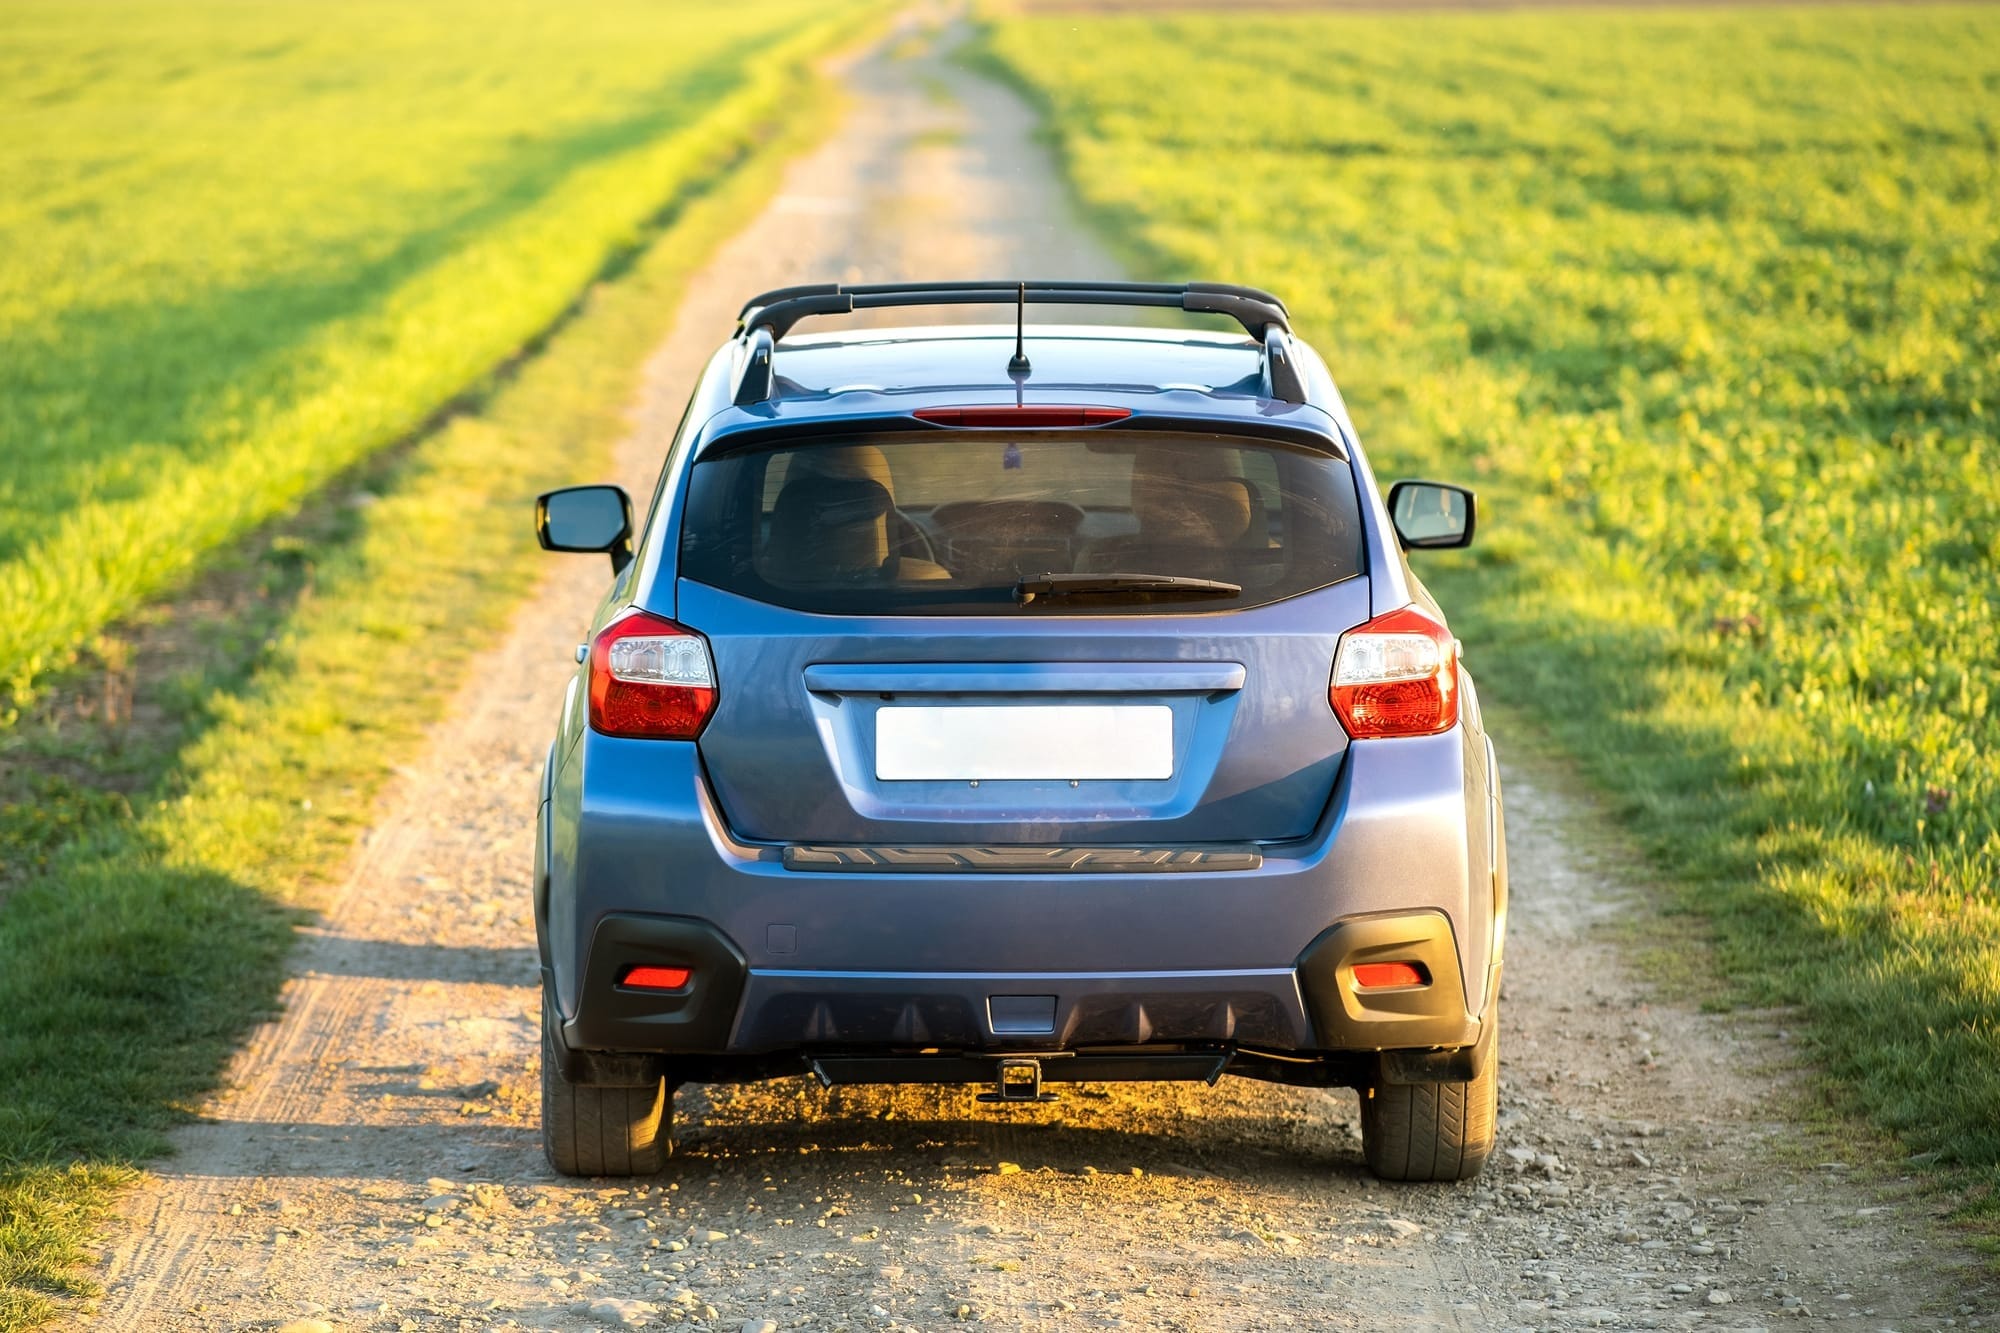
<point>1704,301</point>
<point>155,931</point>
<point>243,246</point>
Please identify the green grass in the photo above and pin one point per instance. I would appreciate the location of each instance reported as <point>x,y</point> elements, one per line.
<point>1707,304</point>
<point>243,246</point>
<point>155,929</point>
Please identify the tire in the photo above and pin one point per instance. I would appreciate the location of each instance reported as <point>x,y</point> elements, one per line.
<point>593,1131</point>
<point>1432,1131</point>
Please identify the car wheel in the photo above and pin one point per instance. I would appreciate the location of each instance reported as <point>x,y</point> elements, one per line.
<point>600,1131</point>
<point>1432,1131</point>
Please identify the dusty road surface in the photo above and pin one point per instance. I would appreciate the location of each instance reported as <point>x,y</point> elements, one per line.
<point>374,1162</point>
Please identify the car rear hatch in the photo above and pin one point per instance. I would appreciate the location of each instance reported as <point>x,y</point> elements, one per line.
<point>1110,646</point>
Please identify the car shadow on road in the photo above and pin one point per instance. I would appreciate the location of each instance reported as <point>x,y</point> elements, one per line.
<point>1236,1131</point>
<point>938,1150</point>
<point>476,1148</point>
<point>351,956</point>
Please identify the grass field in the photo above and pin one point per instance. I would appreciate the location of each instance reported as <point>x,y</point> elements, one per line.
<point>242,246</point>
<point>1707,304</point>
<point>163,823</point>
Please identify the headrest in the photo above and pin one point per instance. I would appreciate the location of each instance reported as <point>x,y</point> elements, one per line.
<point>848,462</point>
<point>827,529</point>
<point>1186,493</point>
<point>839,502</point>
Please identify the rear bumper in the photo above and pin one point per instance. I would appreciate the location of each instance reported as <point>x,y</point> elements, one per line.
<point>789,961</point>
<point>728,1008</point>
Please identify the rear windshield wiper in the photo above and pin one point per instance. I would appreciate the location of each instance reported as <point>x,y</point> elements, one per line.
<point>1164,587</point>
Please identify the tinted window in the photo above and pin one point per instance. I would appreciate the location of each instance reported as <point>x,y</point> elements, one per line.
<point>950,522</point>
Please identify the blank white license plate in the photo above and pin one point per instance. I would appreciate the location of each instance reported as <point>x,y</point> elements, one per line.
<point>979,744</point>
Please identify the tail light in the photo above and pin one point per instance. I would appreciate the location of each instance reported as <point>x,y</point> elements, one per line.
<point>1397,675</point>
<point>651,679</point>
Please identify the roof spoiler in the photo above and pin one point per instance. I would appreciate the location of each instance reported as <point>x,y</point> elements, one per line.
<point>769,316</point>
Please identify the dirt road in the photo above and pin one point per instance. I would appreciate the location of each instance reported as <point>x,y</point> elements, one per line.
<point>374,1163</point>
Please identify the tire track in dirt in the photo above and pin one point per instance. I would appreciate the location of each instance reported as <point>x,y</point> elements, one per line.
<point>374,1161</point>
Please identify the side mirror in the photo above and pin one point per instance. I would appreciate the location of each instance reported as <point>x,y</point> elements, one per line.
<point>1431,515</point>
<point>587,518</point>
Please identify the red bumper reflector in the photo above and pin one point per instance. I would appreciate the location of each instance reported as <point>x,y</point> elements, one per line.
<point>655,978</point>
<point>1045,415</point>
<point>1375,976</point>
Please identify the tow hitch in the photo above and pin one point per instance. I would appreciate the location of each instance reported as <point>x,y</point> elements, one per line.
<point>1016,1078</point>
<point>1018,1081</point>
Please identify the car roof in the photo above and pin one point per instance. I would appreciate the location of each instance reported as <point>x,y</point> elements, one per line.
<point>852,373</point>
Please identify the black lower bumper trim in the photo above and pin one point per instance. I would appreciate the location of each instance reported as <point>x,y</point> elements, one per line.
<point>695,1018</point>
<point>1348,1017</point>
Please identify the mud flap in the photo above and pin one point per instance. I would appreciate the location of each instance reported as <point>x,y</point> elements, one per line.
<point>1446,1066</point>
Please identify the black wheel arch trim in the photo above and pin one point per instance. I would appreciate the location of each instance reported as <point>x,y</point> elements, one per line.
<point>543,868</point>
<point>696,1019</point>
<point>1419,1018</point>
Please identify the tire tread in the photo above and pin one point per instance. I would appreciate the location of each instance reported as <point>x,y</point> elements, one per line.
<point>593,1131</point>
<point>1431,1131</point>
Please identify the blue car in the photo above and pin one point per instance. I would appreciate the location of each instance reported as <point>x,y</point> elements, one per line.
<point>1012,705</point>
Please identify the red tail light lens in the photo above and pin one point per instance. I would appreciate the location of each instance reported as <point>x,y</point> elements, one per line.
<point>1397,675</point>
<point>1376,976</point>
<point>650,679</point>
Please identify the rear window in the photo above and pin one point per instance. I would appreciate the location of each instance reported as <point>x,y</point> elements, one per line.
<point>942,523</point>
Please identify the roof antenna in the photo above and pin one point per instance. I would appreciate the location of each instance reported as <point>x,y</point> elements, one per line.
<point>1018,363</point>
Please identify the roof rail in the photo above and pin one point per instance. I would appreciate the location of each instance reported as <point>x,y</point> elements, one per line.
<point>769,316</point>
<point>756,379</point>
<point>779,310</point>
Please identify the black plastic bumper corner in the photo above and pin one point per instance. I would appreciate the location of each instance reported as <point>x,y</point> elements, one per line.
<point>1346,1017</point>
<point>694,1019</point>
